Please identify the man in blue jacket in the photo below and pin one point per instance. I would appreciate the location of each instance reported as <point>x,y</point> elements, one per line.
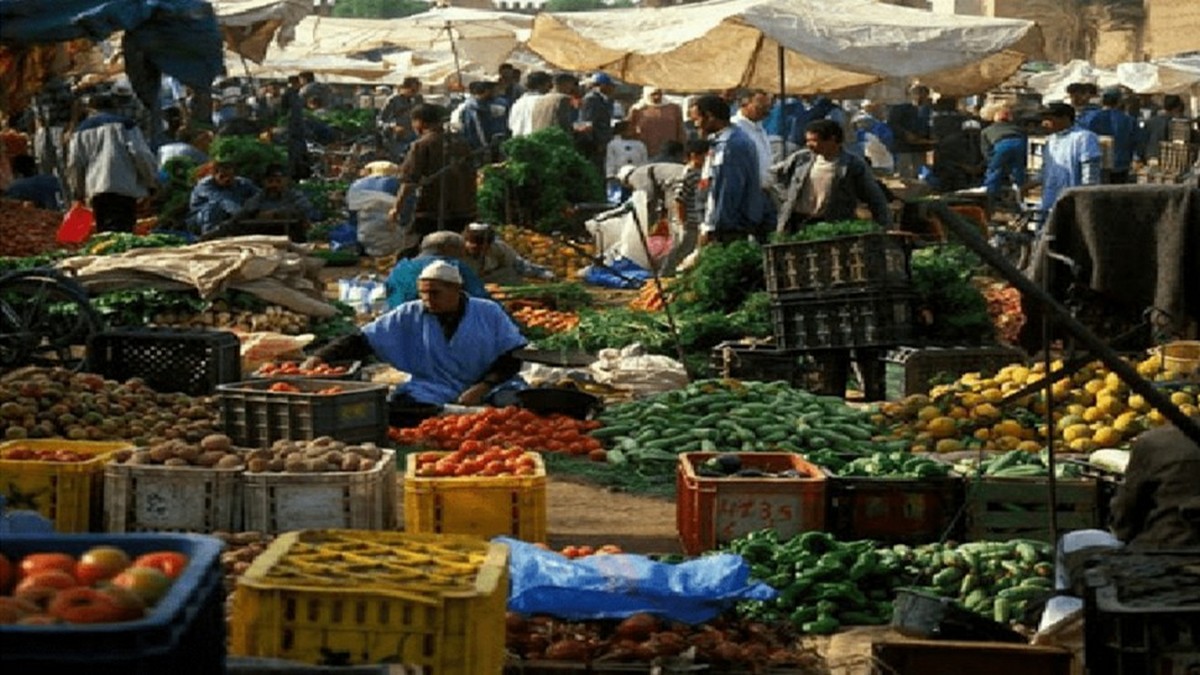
<point>825,182</point>
<point>737,207</point>
<point>1111,121</point>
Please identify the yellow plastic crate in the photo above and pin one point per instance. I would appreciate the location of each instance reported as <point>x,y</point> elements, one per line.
<point>71,494</point>
<point>486,506</point>
<point>351,597</point>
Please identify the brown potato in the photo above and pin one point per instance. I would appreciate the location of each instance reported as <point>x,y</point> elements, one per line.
<point>216,442</point>
<point>176,461</point>
<point>258,465</point>
<point>209,458</point>
<point>229,461</point>
<point>276,465</point>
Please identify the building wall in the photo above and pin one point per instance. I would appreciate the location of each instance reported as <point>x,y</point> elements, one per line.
<point>1172,27</point>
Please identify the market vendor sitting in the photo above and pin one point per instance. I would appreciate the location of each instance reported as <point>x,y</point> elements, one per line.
<point>447,247</point>
<point>218,197</point>
<point>496,261</point>
<point>457,349</point>
<point>1156,507</point>
<point>277,201</point>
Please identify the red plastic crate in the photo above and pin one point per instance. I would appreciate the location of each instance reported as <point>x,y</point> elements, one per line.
<point>893,510</point>
<point>714,511</point>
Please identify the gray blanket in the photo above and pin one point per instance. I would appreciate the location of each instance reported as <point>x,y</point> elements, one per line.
<point>1137,245</point>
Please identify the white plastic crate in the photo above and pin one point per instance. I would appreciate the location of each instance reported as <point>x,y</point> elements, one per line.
<point>147,498</point>
<point>356,500</point>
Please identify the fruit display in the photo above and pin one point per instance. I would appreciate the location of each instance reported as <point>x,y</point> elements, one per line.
<point>825,583</point>
<point>1093,409</point>
<point>549,320</point>
<point>289,388</point>
<point>215,451</point>
<point>503,426</point>
<point>294,369</point>
<point>648,298</point>
<point>728,415</point>
<point>25,454</point>
<point>1015,464</point>
<point>103,585</point>
<point>47,403</point>
<point>725,643</point>
<point>895,464</point>
<point>1004,308</point>
<point>475,458</point>
<point>319,455</point>
<point>26,230</point>
<point>547,251</point>
<point>574,551</point>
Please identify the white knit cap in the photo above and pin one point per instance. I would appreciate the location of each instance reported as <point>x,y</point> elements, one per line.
<point>440,270</point>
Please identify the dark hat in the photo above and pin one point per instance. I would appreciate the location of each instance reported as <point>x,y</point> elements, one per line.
<point>1111,95</point>
<point>601,78</point>
<point>1058,110</point>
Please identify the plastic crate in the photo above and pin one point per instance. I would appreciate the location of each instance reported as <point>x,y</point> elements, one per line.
<point>839,320</point>
<point>150,498</point>
<point>347,597</point>
<point>948,657</point>
<point>190,361</point>
<point>893,510</point>
<point>1000,509</point>
<point>254,416</point>
<point>184,634</point>
<point>1181,130</point>
<point>910,370</point>
<point>70,494</point>
<point>1142,612</point>
<point>812,371</point>
<point>484,506</point>
<point>714,511</point>
<point>359,500</point>
<point>1176,157</point>
<point>860,262</point>
<point>353,373</point>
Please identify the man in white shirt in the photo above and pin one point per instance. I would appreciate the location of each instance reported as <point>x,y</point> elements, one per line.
<point>520,116</point>
<point>753,107</point>
<point>1071,156</point>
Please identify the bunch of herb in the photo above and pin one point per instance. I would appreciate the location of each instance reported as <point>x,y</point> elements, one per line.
<point>952,307</point>
<point>249,156</point>
<point>326,196</point>
<point>174,198</point>
<point>541,177</point>
<point>613,327</point>
<point>721,280</point>
<point>139,306</point>
<point>828,230</point>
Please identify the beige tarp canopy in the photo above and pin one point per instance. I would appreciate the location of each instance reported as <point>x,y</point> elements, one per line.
<point>1179,75</point>
<point>249,26</point>
<point>830,46</point>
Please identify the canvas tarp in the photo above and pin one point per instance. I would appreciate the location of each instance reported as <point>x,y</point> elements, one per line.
<point>830,46</point>
<point>249,26</point>
<point>1180,75</point>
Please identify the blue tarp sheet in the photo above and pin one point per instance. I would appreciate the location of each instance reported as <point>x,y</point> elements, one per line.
<point>177,37</point>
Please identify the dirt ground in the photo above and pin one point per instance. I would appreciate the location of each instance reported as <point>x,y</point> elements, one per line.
<point>580,514</point>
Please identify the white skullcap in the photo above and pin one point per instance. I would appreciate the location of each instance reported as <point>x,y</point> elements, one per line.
<point>440,270</point>
<point>382,167</point>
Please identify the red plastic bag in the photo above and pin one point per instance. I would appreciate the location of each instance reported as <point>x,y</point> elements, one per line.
<point>78,224</point>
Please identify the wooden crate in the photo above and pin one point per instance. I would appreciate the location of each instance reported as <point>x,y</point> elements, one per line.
<point>901,656</point>
<point>999,509</point>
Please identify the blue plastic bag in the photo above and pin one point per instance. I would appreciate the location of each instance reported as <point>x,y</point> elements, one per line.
<point>608,277</point>
<point>343,237</point>
<point>619,586</point>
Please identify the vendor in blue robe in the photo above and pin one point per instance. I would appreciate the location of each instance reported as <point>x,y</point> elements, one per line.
<point>458,349</point>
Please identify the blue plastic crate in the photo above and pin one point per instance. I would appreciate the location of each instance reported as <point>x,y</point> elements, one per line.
<point>183,635</point>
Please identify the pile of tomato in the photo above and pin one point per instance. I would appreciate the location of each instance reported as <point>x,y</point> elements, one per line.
<point>103,585</point>
<point>289,388</point>
<point>505,426</point>
<point>294,369</point>
<point>24,454</point>
<point>475,458</point>
<point>584,551</point>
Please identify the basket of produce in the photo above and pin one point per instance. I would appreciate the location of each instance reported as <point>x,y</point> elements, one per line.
<point>321,483</point>
<point>480,489</point>
<point>142,604</point>
<point>62,480</point>
<point>1008,497</point>
<point>912,370</point>
<point>432,601</point>
<point>340,370</point>
<point>176,486</point>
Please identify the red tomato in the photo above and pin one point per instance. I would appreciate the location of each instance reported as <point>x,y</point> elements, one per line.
<point>170,563</point>
<point>56,579</point>
<point>100,563</point>
<point>44,562</point>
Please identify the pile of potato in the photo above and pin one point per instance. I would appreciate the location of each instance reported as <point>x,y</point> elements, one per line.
<point>214,451</point>
<point>319,455</point>
<point>272,318</point>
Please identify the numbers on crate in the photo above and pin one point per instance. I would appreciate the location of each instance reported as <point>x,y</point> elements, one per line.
<point>736,517</point>
<point>154,504</point>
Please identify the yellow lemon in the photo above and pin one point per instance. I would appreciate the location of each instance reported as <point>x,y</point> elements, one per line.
<point>1093,386</point>
<point>1008,443</point>
<point>986,411</point>
<point>1136,402</point>
<point>1127,422</point>
<point>982,434</point>
<point>1182,398</point>
<point>1082,445</point>
<point>992,395</point>
<point>1112,382</point>
<point>1188,409</point>
<point>970,399</point>
<point>1007,428</point>
<point>1093,414</point>
<point>1029,446</point>
<point>1076,431</point>
<point>1019,374</point>
<point>1106,437</point>
<point>1155,418</point>
<point>942,427</point>
<point>1110,405</point>
<point>1075,409</point>
<point>928,412</point>
<point>949,445</point>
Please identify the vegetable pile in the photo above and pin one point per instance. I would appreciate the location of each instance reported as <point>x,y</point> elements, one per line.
<point>26,230</point>
<point>503,426</point>
<point>951,308</point>
<point>549,320</point>
<point>475,458</point>
<point>1015,464</point>
<point>727,415</point>
<point>895,464</point>
<point>548,251</point>
<point>824,583</point>
<point>542,176</point>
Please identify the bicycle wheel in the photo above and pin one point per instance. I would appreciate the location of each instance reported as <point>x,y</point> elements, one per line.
<point>45,320</point>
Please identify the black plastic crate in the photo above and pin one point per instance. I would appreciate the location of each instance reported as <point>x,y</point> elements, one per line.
<point>861,262</point>
<point>184,634</point>
<point>1142,612</point>
<point>193,362</point>
<point>843,320</point>
<point>254,416</point>
<point>894,510</point>
<point>910,370</point>
<point>817,372</point>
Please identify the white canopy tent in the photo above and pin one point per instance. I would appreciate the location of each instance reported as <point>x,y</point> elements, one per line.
<point>1176,75</point>
<point>828,46</point>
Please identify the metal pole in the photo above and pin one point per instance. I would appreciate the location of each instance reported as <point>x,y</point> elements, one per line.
<point>658,286</point>
<point>1047,361</point>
